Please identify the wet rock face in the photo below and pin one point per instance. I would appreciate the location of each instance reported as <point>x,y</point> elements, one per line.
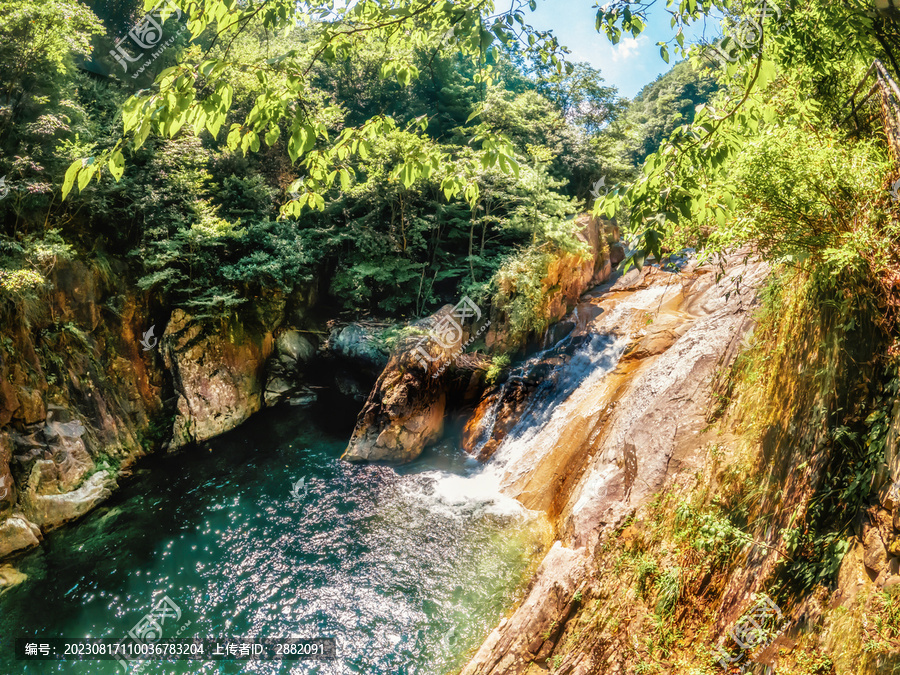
<point>80,392</point>
<point>501,409</point>
<point>606,444</point>
<point>404,412</point>
<point>294,350</point>
<point>219,382</point>
<point>494,417</point>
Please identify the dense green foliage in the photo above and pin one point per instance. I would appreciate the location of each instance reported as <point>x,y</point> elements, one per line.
<point>662,106</point>
<point>201,220</point>
<point>794,78</point>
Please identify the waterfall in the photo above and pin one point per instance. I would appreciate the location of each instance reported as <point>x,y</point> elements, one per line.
<point>568,379</point>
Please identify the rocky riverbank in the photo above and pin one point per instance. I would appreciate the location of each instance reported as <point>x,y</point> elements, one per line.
<point>87,388</point>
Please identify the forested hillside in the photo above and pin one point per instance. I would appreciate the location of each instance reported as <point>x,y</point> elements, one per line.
<point>200,222</point>
<point>666,328</point>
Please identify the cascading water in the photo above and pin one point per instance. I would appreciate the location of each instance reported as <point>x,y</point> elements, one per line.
<point>407,568</point>
<point>563,390</point>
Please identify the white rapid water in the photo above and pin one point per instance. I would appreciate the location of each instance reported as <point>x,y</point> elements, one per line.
<point>553,405</point>
<point>562,394</point>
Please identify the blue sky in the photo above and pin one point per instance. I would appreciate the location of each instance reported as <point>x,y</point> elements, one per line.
<point>629,65</point>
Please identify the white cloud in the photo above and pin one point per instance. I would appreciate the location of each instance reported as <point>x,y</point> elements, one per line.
<point>629,48</point>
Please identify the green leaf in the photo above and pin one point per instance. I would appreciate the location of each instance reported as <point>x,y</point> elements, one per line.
<point>408,174</point>
<point>84,177</point>
<point>638,258</point>
<point>214,122</point>
<point>302,140</point>
<point>234,137</point>
<point>69,181</point>
<point>117,165</point>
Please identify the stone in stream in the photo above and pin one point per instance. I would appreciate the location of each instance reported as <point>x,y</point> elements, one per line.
<point>356,343</point>
<point>17,534</point>
<point>9,577</point>
<point>405,411</point>
<point>219,382</point>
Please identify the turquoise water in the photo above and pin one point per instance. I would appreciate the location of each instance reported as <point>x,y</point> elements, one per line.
<point>408,569</point>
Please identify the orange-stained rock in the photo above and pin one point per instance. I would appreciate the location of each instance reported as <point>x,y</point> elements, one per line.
<point>493,418</point>
<point>219,381</point>
<point>405,410</point>
<point>567,277</point>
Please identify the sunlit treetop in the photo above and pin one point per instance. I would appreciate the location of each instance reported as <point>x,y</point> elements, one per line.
<point>781,62</point>
<point>198,92</point>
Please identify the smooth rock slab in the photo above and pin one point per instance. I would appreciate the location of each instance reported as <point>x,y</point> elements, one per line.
<point>295,346</point>
<point>17,534</point>
<point>533,630</point>
<point>9,577</point>
<point>50,511</point>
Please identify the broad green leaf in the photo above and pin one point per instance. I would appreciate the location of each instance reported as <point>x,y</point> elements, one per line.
<point>117,165</point>
<point>69,180</point>
<point>85,175</point>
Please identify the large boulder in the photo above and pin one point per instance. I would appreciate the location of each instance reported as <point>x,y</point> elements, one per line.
<point>18,534</point>
<point>354,357</point>
<point>51,510</point>
<point>360,345</point>
<point>405,411</point>
<point>219,376</point>
<point>287,369</point>
<point>294,348</point>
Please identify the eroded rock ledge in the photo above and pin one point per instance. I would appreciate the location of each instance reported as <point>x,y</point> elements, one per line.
<point>405,411</point>
<point>615,443</point>
<point>81,399</point>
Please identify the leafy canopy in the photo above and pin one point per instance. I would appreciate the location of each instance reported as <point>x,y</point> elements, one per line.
<point>198,91</point>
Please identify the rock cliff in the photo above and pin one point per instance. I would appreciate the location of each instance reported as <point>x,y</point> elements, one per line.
<point>86,389</point>
<point>405,410</point>
<point>591,453</point>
